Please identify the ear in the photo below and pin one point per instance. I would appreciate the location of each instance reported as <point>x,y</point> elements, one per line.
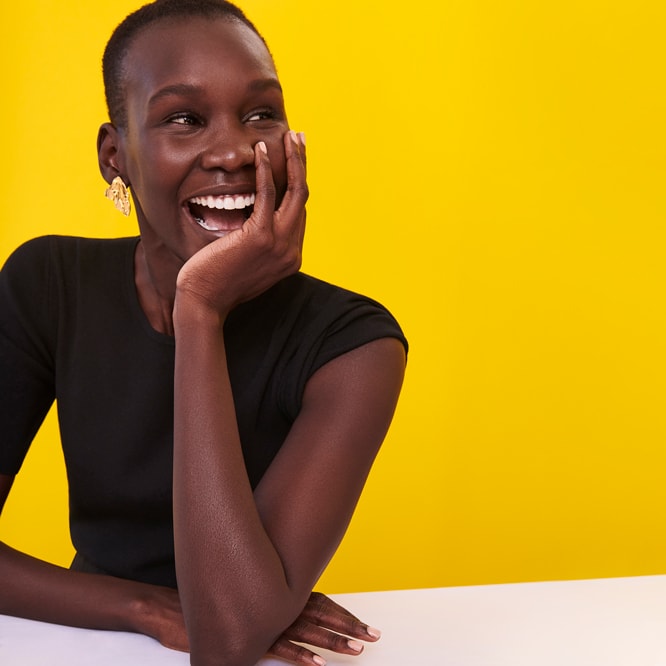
<point>110,154</point>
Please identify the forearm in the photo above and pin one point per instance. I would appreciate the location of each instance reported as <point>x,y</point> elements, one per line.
<point>37,590</point>
<point>235,594</point>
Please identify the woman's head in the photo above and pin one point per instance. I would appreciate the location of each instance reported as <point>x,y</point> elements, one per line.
<point>117,48</point>
<point>196,92</point>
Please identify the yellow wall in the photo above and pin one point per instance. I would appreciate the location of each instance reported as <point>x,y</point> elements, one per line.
<point>493,172</point>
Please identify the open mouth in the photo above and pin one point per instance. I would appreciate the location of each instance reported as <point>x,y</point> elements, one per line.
<point>221,213</point>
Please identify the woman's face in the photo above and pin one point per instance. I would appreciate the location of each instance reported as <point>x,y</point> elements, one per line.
<point>200,94</point>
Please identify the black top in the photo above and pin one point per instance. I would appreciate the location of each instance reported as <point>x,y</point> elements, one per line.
<point>72,328</point>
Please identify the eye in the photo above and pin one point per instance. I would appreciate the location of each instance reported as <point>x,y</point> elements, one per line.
<point>261,114</point>
<point>183,119</point>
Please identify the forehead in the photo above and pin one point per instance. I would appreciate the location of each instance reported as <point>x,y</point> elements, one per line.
<point>194,50</point>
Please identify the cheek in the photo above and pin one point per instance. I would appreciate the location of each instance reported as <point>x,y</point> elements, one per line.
<point>155,170</point>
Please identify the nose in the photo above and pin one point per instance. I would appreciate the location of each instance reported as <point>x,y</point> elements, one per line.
<point>228,148</point>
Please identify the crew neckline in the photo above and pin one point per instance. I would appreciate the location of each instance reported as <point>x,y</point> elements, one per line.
<point>133,297</point>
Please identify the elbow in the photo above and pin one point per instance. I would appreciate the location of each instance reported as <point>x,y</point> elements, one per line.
<point>227,647</point>
<point>241,637</point>
<point>244,648</point>
<point>229,654</point>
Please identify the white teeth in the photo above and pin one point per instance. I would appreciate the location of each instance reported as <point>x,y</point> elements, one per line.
<point>202,223</point>
<point>226,202</point>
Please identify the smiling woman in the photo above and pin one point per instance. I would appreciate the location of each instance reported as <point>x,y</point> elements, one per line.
<point>184,118</point>
<point>207,390</point>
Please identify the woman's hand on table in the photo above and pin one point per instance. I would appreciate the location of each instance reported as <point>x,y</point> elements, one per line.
<point>322,624</point>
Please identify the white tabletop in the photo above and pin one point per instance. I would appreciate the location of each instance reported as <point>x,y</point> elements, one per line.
<point>603,622</point>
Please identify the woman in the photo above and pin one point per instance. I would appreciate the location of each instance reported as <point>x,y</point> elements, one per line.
<point>219,411</point>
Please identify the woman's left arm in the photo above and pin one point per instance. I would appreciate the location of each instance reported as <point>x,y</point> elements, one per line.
<point>247,563</point>
<point>347,409</point>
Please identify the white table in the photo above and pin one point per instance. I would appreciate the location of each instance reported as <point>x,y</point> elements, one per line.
<point>603,622</point>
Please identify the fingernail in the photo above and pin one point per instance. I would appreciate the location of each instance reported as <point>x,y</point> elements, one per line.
<point>355,645</point>
<point>294,137</point>
<point>375,633</point>
<point>301,136</point>
<point>262,147</point>
<point>318,660</point>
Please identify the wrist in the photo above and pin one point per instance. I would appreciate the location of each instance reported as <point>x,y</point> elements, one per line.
<point>141,614</point>
<point>191,312</point>
<point>155,611</point>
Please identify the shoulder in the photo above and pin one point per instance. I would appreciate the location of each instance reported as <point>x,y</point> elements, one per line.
<point>303,323</point>
<point>29,255</point>
<point>317,290</point>
<point>332,308</point>
<point>41,251</point>
<point>43,272</point>
<point>345,316</point>
<point>317,316</point>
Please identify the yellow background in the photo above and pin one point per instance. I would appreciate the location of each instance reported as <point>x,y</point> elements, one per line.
<point>493,172</point>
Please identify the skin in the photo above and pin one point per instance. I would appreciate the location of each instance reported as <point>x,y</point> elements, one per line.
<point>206,117</point>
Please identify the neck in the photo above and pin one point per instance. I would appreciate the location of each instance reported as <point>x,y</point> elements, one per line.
<point>156,290</point>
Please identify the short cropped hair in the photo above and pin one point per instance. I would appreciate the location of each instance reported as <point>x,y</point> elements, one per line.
<point>113,61</point>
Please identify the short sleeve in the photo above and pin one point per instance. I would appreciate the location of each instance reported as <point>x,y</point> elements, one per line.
<point>333,321</point>
<point>361,322</point>
<point>28,327</point>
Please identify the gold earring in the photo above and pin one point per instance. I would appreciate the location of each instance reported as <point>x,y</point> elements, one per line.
<point>118,193</point>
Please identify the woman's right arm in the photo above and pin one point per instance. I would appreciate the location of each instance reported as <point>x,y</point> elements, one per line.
<point>37,590</point>
<point>29,587</point>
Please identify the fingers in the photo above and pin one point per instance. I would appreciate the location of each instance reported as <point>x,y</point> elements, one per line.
<point>264,205</point>
<point>325,612</point>
<point>306,632</point>
<point>294,148</point>
<point>297,192</point>
<point>301,141</point>
<point>296,654</point>
<point>299,654</point>
<point>296,196</point>
<point>289,220</point>
<point>326,625</point>
<point>297,189</point>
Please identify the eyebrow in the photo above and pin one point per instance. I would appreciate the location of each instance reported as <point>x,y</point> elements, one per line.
<point>183,89</point>
<point>175,90</point>
<point>259,85</point>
